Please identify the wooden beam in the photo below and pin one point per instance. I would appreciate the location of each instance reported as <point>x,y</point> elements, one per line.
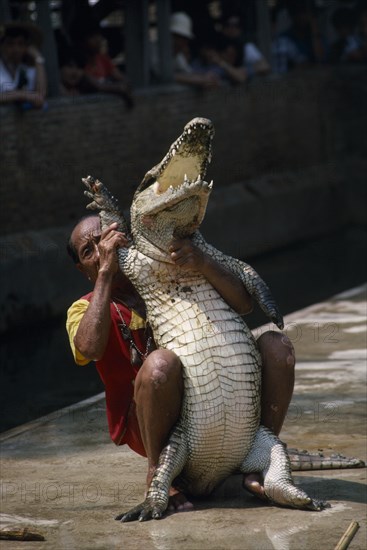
<point>137,42</point>
<point>49,47</point>
<point>263,28</point>
<point>5,13</point>
<point>164,40</point>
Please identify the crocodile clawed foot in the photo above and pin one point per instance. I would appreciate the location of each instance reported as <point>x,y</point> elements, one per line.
<point>317,505</point>
<point>303,502</point>
<point>287,494</point>
<point>143,512</point>
<point>100,196</point>
<point>105,203</point>
<point>96,192</point>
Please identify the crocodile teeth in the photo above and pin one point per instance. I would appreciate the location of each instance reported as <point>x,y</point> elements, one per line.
<point>210,186</point>
<point>173,152</point>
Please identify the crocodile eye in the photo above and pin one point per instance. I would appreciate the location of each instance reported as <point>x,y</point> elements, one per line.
<point>148,180</point>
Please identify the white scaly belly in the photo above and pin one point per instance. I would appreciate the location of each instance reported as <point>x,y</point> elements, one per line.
<point>221,406</point>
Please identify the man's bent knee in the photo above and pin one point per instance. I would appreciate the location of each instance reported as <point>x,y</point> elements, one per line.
<point>161,366</point>
<point>276,347</point>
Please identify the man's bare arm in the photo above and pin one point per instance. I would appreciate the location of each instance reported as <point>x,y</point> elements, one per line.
<point>94,328</point>
<point>188,256</point>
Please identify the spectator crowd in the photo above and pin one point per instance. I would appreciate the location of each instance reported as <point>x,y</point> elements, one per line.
<point>215,56</point>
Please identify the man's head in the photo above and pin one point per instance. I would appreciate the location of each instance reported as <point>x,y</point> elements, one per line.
<point>85,246</point>
<point>93,41</point>
<point>232,27</point>
<point>71,75</point>
<point>14,44</point>
<point>82,246</point>
<point>15,38</point>
<point>181,31</point>
<point>181,25</point>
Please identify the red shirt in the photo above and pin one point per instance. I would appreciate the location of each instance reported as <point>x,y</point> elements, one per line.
<point>115,369</point>
<point>101,68</point>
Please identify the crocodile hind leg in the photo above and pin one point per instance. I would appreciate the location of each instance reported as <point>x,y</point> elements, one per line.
<point>269,456</point>
<point>171,462</point>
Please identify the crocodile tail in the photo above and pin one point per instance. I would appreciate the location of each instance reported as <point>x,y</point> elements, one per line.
<point>305,460</point>
<point>106,204</point>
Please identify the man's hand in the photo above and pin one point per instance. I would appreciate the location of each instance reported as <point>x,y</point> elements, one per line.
<point>22,96</point>
<point>34,53</point>
<point>109,242</point>
<point>33,97</point>
<point>187,255</point>
<point>98,261</point>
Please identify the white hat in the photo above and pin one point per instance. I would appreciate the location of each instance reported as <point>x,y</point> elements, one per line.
<point>181,24</point>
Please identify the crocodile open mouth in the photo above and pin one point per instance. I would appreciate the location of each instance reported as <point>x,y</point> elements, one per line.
<point>187,159</point>
<point>174,193</point>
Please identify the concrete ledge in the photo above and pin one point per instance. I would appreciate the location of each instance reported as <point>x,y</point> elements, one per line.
<point>52,417</point>
<point>38,281</point>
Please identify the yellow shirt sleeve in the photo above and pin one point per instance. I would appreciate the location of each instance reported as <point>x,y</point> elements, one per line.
<point>74,316</point>
<point>136,322</point>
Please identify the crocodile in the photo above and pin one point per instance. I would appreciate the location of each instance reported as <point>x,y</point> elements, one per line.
<point>218,432</point>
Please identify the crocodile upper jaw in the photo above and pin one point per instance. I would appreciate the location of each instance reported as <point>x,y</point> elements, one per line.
<point>189,155</point>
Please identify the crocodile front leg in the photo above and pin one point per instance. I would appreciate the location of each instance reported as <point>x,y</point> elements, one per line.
<point>171,462</point>
<point>252,281</point>
<point>106,204</point>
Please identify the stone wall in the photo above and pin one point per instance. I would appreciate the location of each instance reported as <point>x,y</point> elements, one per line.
<point>287,165</point>
<point>270,126</point>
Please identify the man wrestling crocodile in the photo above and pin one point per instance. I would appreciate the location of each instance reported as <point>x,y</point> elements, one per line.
<point>143,385</point>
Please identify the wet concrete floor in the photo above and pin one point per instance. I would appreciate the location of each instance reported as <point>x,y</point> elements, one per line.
<point>62,477</point>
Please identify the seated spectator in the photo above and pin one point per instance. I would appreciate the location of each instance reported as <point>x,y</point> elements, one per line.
<point>103,75</point>
<point>346,47</point>
<point>253,60</point>
<point>222,57</point>
<point>184,73</point>
<point>74,81</point>
<point>22,70</point>
<point>302,44</point>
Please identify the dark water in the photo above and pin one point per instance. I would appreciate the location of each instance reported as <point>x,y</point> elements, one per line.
<point>38,375</point>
